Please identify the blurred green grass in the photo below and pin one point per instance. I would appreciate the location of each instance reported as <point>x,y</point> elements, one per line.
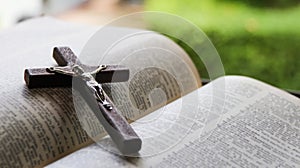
<point>263,43</point>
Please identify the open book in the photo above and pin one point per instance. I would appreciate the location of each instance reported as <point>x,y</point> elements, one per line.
<point>233,121</point>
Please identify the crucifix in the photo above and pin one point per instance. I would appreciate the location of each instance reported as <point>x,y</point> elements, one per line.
<point>86,80</point>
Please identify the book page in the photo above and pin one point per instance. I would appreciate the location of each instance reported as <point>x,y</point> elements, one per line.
<point>160,71</point>
<point>39,126</point>
<point>258,126</point>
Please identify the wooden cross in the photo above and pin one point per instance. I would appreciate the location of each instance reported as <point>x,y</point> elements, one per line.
<point>70,69</point>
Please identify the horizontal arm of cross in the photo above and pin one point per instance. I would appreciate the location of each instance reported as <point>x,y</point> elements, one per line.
<point>42,77</point>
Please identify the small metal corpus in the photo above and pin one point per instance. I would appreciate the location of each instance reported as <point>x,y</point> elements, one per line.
<point>94,86</point>
<point>75,70</point>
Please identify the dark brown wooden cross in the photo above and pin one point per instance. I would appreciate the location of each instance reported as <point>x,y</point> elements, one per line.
<point>71,71</point>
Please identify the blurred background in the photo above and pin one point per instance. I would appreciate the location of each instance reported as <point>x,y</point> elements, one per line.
<point>256,38</point>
